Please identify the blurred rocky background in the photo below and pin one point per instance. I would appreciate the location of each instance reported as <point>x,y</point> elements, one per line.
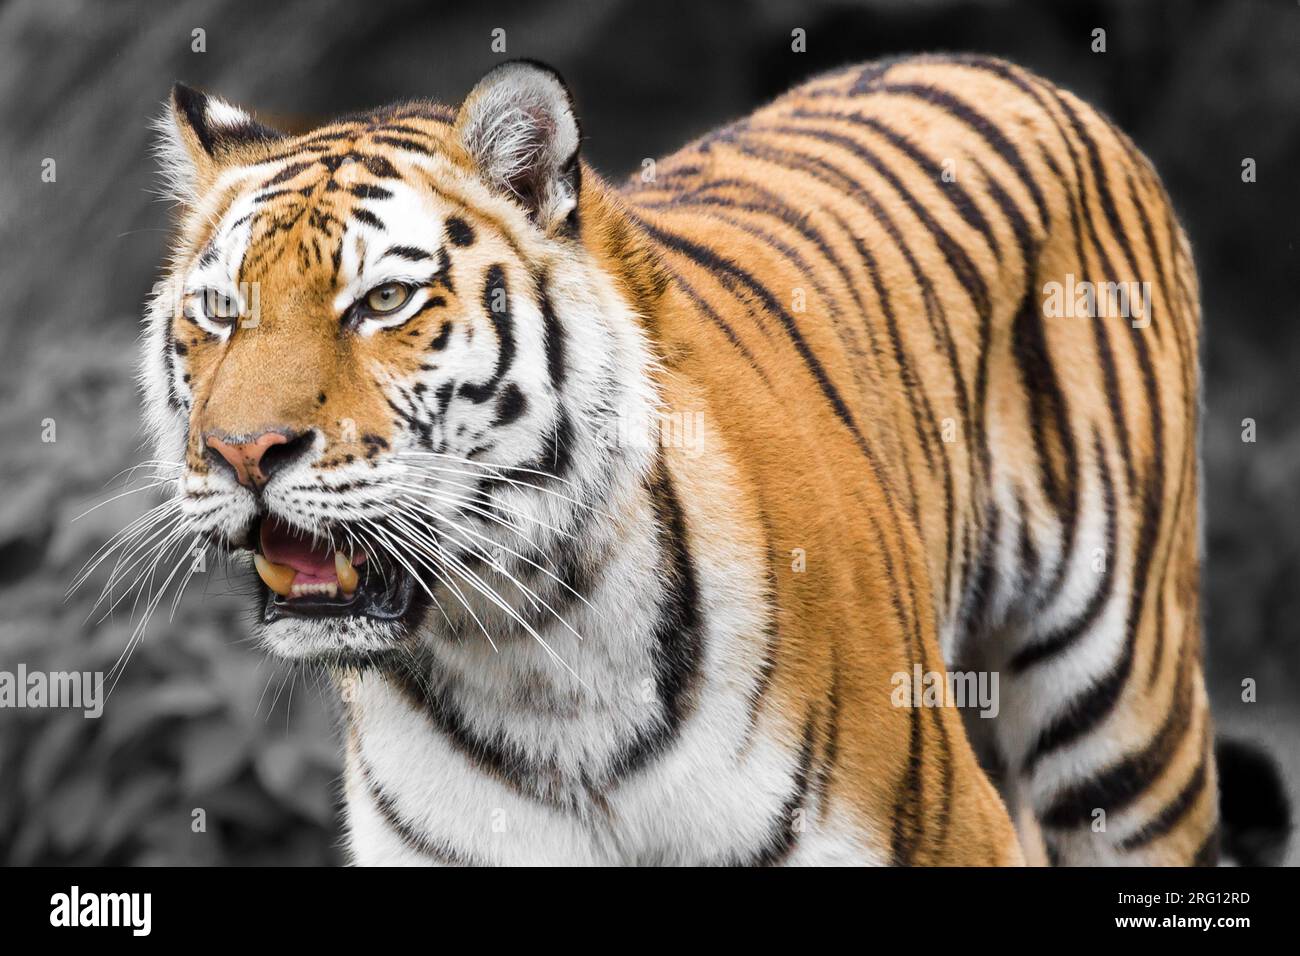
<point>200,720</point>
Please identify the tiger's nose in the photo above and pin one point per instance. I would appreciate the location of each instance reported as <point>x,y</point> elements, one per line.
<point>256,461</point>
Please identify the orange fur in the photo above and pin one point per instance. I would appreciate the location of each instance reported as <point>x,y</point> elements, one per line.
<point>855,413</point>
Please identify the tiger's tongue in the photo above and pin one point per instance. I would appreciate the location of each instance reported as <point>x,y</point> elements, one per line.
<point>311,558</point>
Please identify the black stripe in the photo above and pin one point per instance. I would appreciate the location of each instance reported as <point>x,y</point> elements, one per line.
<point>832,175</point>
<point>1153,491</point>
<point>209,255</point>
<point>958,261</point>
<point>1078,207</point>
<point>1082,713</point>
<point>369,191</point>
<point>429,304</point>
<point>511,404</point>
<point>1066,636</point>
<point>775,207</point>
<point>984,573</point>
<point>791,254</point>
<point>783,835</point>
<point>1049,421</point>
<point>771,629</point>
<point>272,193</point>
<point>459,232</point>
<point>503,324</point>
<point>554,335</point>
<point>439,341</point>
<point>1173,812</point>
<point>1117,229</point>
<point>969,276</point>
<point>575,571</point>
<point>502,759</point>
<point>677,638</point>
<point>400,128</point>
<point>368,217</point>
<point>1101,339</point>
<point>326,138</point>
<point>290,171</point>
<point>869,75</point>
<point>712,315</point>
<point>377,166</point>
<point>907,807</point>
<point>981,124</point>
<point>421,843</point>
<point>410,253</point>
<point>952,191</point>
<point>1157,260</point>
<point>1119,785</point>
<point>1100,329</point>
<point>731,276</point>
<point>907,817</point>
<point>1187,363</point>
<point>401,142</point>
<point>1028,549</point>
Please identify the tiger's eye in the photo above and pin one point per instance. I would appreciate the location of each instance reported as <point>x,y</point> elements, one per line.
<point>388,297</point>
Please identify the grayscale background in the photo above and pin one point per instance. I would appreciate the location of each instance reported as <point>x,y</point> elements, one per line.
<point>200,719</point>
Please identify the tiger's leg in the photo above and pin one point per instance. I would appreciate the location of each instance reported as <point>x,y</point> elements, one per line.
<point>1103,733</point>
<point>1104,728</point>
<point>1109,741</point>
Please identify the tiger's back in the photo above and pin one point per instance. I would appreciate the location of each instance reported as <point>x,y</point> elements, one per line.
<point>960,330</point>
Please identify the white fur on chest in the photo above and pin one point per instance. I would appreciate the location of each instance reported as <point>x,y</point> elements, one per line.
<point>717,793</point>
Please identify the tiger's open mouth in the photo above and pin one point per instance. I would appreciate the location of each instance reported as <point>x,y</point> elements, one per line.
<point>306,577</point>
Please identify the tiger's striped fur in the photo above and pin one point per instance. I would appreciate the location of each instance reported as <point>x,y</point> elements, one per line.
<point>901,461</point>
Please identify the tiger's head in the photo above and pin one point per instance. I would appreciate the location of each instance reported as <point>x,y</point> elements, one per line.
<point>386,354</point>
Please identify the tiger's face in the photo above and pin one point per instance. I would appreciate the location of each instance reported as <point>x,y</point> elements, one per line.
<point>360,358</point>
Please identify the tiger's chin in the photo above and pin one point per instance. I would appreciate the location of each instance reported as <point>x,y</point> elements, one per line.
<point>347,642</point>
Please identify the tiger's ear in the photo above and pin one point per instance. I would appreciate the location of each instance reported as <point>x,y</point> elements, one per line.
<point>519,127</point>
<point>201,135</point>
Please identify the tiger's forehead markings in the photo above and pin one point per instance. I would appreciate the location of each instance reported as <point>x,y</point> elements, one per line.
<point>373,125</point>
<point>282,204</point>
<point>317,196</point>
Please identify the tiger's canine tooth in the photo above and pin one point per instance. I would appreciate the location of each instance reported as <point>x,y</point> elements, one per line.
<point>277,577</point>
<point>347,574</point>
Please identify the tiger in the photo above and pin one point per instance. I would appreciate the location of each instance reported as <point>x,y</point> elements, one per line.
<point>672,522</point>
